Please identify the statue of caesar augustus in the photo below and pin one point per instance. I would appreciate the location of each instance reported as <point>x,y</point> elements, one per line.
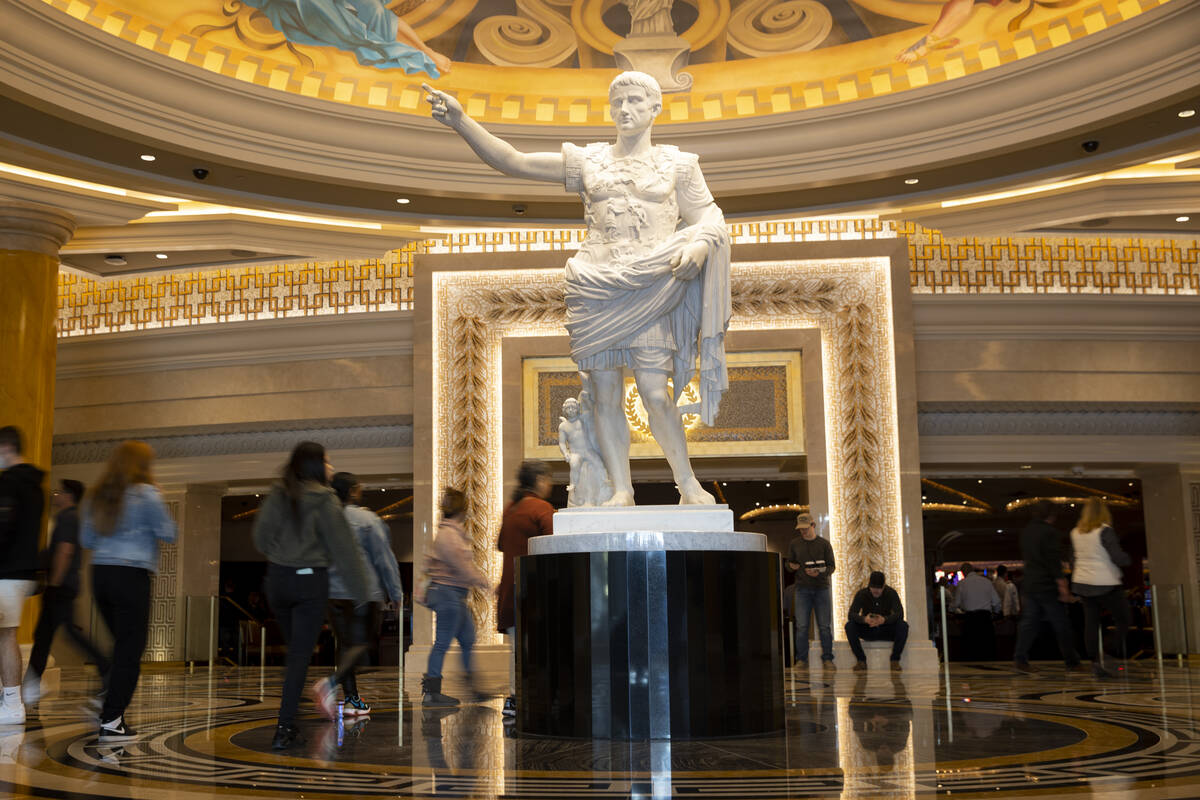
<point>649,288</point>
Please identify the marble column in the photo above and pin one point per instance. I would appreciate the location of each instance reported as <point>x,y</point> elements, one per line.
<point>1171,505</point>
<point>30,236</point>
<point>189,568</point>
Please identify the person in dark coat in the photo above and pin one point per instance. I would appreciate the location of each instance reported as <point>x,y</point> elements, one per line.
<point>1044,591</point>
<point>528,515</point>
<point>62,587</point>
<point>22,500</point>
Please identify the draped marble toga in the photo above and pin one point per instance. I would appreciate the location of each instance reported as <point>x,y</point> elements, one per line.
<point>621,293</point>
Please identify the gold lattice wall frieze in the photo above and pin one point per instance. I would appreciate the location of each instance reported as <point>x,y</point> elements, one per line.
<point>1050,264</point>
<point>938,265</point>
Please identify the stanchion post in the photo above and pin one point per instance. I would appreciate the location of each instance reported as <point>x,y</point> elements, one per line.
<point>212,629</point>
<point>1157,629</point>
<point>262,647</point>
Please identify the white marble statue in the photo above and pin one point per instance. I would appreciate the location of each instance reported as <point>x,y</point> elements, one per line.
<point>577,440</point>
<point>649,288</point>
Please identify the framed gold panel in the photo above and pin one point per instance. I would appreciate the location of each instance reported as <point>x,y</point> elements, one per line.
<point>761,413</point>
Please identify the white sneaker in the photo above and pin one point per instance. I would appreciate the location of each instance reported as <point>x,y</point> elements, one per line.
<point>12,714</point>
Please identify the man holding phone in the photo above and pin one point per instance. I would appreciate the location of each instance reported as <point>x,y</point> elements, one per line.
<point>811,558</point>
<point>875,614</point>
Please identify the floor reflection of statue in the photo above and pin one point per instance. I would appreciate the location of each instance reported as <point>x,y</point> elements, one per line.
<point>368,28</point>
<point>644,292</point>
<point>577,441</point>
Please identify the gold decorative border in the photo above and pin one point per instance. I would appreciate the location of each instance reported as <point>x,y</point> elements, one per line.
<point>848,300</point>
<point>938,265</point>
<point>492,94</point>
<point>643,446</point>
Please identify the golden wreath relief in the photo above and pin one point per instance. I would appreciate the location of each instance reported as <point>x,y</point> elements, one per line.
<point>761,414</point>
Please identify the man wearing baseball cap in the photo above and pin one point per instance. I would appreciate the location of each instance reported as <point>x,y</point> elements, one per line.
<point>811,558</point>
<point>876,614</point>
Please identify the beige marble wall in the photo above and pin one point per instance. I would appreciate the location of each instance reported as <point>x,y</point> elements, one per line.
<point>1056,370</point>
<point>261,393</point>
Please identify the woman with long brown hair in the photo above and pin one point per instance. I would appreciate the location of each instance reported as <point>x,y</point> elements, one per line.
<point>452,574</point>
<point>301,530</point>
<point>1096,578</point>
<point>122,525</point>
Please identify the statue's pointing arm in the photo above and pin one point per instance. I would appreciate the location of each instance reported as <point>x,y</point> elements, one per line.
<point>494,151</point>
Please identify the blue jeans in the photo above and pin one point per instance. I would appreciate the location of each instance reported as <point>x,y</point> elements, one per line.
<point>453,622</point>
<point>808,601</point>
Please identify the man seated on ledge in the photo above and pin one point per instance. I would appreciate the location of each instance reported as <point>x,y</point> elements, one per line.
<point>875,614</point>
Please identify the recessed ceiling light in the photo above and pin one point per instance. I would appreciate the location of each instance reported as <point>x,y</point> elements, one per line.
<point>1187,112</point>
<point>1182,218</point>
<point>1027,466</point>
<point>147,157</point>
<point>912,181</point>
<point>115,261</point>
<point>160,255</point>
<point>768,486</point>
<point>403,201</point>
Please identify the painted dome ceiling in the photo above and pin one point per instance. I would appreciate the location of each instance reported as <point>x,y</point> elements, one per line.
<point>548,62</point>
<point>795,107</point>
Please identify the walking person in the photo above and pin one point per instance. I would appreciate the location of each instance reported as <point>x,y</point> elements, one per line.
<point>21,505</point>
<point>977,601</point>
<point>452,573</point>
<point>876,614</point>
<point>527,515</point>
<point>353,626</point>
<point>301,529</point>
<point>1096,561</point>
<point>811,558</point>
<point>62,587</point>
<point>1044,588</point>
<point>122,524</point>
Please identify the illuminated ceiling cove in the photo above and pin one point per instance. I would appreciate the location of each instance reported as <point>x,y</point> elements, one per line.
<point>548,62</point>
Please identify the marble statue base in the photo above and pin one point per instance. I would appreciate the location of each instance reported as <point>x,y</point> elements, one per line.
<point>648,630</point>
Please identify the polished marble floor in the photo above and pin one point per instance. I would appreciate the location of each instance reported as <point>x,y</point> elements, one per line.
<point>984,730</point>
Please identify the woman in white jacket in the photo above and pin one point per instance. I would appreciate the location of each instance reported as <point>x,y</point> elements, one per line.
<point>1096,562</point>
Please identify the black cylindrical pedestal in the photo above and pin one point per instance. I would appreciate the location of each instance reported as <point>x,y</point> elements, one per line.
<point>675,644</point>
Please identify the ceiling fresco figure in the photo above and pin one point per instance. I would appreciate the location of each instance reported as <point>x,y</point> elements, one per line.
<point>367,28</point>
<point>649,289</point>
<point>955,14</point>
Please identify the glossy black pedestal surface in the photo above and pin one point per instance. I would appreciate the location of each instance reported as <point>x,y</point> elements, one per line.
<point>676,644</point>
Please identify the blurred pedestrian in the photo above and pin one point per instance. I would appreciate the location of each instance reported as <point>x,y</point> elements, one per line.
<point>1044,588</point>
<point>355,627</point>
<point>62,587</point>
<point>452,573</point>
<point>1097,559</point>
<point>22,501</point>
<point>301,529</point>
<point>527,515</point>
<point>123,523</point>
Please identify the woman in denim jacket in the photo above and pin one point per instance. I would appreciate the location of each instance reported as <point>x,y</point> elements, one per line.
<point>122,525</point>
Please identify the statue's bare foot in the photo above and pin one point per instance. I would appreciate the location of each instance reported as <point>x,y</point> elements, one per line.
<point>621,498</point>
<point>440,61</point>
<point>691,493</point>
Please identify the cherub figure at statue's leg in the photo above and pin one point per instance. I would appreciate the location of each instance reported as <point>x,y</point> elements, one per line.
<point>612,432</point>
<point>667,427</point>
